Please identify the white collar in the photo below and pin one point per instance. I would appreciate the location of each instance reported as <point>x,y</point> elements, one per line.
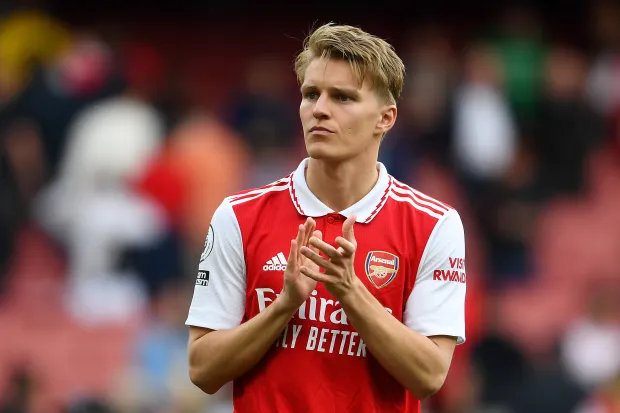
<point>365,209</point>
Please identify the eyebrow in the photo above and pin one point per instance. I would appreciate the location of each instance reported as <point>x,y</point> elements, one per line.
<point>343,90</point>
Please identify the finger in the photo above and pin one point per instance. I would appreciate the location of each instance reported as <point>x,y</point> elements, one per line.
<point>301,234</point>
<point>325,248</point>
<point>309,227</point>
<point>347,247</point>
<point>292,255</point>
<point>318,235</point>
<point>318,260</point>
<point>315,275</point>
<point>347,229</point>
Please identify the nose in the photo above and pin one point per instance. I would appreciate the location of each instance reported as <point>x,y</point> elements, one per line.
<point>321,107</point>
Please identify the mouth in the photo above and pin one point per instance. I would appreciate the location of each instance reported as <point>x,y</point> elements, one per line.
<point>320,129</point>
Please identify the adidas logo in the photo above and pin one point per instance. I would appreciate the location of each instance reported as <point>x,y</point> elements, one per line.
<point>276,263</point>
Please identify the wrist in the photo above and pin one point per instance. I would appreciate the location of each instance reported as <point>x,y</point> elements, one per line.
<point>353,293</point>
<point>283,304</point>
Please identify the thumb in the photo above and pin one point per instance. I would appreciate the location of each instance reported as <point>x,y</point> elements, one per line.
<point>347,229</point>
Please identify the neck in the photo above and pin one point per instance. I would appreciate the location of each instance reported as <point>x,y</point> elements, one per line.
<point>340,185</point>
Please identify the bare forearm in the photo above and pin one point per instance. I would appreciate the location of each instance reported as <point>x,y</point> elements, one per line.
<point>221,356</point>
<point>412,359</point>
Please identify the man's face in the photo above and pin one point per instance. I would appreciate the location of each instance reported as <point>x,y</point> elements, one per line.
<point>340,119</point>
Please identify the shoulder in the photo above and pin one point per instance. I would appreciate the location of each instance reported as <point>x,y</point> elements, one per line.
<point>238,215</point>
<point>422,218</point>
<point>418,204</point>
<point>252,196</point>
<point>244,206</point>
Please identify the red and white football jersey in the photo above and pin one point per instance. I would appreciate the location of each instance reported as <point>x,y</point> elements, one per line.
<point>410,255</point>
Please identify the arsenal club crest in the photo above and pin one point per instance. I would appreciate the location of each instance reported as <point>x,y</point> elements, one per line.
<point>381,267</point>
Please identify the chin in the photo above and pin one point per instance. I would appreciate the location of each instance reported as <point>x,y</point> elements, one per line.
<point>322,150</point>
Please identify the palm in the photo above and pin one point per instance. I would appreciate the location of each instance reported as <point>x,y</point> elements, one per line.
<point>305,284</point>
<point>296,285</point>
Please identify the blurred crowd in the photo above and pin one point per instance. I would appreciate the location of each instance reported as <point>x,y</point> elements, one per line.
<point>116,148</point>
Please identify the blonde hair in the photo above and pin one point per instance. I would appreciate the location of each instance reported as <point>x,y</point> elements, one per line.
<point>368,55</point>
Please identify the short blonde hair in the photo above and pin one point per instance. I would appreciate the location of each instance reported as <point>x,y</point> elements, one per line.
<point>368,55</point>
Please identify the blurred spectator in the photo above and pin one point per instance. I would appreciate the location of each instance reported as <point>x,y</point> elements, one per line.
<point>424,127</point>
<point>606,399</point>
<point>591,346</point>
<point>28,39</point>
<point>109,144</point>
<point>507,215</point>
<point>548,389</point>
<point>147,75</point>
<point>604,77</point>
<point>80,75</point>
<point>157,377</point>
<point>20,394</point>
<point>513,381</point>
<point>11,214</point>
<point>500,367</point>
<point>485,137</point>
<point>502,370</point>
<point>23,144</point>
<point>569,129</point>
<point>262,113</point>
<point>521,49</point>
<point>93,209</point>
<point>494,167</point>
<point>203,162</point>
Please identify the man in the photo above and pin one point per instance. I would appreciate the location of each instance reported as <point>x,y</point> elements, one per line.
<point>364,313</point>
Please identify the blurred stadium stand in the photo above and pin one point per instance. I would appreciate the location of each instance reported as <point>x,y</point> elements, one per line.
<point>122,128</point>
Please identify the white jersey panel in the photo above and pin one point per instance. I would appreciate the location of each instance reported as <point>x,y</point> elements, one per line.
<point>219,294</point>
<point>436,305</point>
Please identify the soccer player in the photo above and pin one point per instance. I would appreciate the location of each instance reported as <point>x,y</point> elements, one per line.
<point>337,288</point>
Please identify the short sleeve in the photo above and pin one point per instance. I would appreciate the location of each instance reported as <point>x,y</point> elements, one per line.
<point>219,294</point>
<point>436,305</point>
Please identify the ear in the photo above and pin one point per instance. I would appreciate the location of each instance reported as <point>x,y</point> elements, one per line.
<point>387,119</point>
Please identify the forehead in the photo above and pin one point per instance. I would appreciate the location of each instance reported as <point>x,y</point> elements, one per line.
<point>332,73</point>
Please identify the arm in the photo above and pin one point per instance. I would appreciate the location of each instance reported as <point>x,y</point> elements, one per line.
<point>217,357</point>
<point>419,363</point>
<point>220,348</point>
<point>417,353</point>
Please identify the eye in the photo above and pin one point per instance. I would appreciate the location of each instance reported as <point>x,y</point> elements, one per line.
<point>343,98</point>
<point>311,95</point>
